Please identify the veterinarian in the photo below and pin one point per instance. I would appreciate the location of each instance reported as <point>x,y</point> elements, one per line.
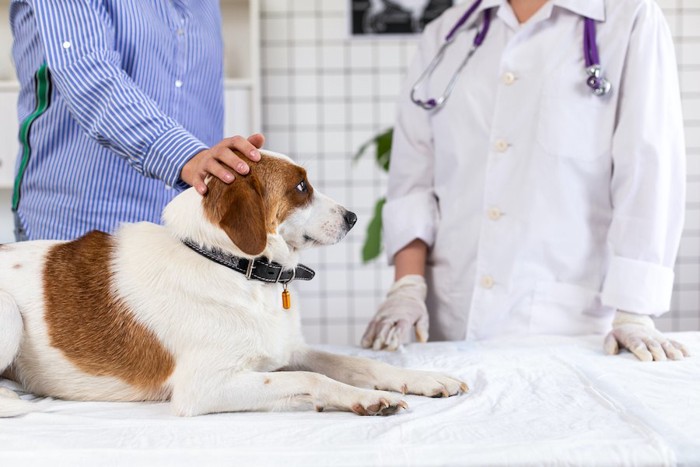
<point>121,107</point>
<point>545,193</point>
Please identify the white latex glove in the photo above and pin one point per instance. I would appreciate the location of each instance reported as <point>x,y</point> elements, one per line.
<point>403,308</point>
<point>638,334</point>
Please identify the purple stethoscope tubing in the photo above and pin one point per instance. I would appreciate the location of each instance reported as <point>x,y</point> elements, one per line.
<point>595,81</point>
<point>599,85</point>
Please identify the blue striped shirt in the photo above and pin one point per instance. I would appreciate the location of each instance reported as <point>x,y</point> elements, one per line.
<point>115,97</point>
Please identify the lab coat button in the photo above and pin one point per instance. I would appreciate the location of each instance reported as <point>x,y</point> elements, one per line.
<point>486,282</point>
<point>501,145</point>
<point>508,78</point>
<point>494,214</point>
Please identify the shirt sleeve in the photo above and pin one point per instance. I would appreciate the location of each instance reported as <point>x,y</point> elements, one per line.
<point>648,182</point>
<point>411,209</point>
<point>78,39</point>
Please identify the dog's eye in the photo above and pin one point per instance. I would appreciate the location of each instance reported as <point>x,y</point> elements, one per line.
<point>301,186</point>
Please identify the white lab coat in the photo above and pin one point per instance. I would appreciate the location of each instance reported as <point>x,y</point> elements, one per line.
<point>545,207</point>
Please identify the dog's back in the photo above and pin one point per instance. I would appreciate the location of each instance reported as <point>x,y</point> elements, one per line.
<point>75,331</point>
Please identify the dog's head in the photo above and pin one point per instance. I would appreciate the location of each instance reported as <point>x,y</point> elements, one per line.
<point>275,197</point>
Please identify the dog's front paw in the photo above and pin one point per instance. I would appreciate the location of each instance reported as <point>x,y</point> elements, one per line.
<point>378,403</point>
<point>368,402</point>
<point>425,383</point>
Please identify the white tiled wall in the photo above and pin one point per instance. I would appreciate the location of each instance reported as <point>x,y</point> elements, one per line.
<point>325,94</point>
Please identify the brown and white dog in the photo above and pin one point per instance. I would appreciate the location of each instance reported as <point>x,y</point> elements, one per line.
<point>141,316</point>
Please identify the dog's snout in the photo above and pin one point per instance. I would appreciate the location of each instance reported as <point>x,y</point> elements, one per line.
<point>350,219</point>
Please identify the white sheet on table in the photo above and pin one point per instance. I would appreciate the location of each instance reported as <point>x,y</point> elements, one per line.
<point>551,400</point>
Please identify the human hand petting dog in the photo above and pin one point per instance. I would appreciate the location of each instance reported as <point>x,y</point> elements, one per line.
<point>217,159</point>
<point>403,308</point>
<point>638,334</point>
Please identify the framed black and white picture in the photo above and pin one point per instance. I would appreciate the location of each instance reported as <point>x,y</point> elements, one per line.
<point>393,17</point>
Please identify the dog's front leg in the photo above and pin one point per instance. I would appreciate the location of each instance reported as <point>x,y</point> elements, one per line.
<point>366,373</point>
<point>231,391</point>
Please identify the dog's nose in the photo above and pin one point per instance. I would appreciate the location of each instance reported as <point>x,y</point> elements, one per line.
<point>350,219</point>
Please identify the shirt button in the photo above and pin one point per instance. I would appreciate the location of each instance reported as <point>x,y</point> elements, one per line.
<point>66,45</point>
<point>508,78</point>
<point>501,145</point>
<point>180,32</point>
<point>494,214</point>
<point>178,84</point>
<point>486,282</point>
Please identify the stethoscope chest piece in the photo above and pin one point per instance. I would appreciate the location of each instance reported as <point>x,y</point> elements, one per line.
<point>596,82</point>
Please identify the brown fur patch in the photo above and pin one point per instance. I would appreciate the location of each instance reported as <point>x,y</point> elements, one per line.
<point>16,266</point>
<point>95,330</point>
<point>267,381</point>
<point>255,204</point>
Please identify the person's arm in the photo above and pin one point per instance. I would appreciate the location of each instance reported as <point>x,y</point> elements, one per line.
<point>78,39</point>
<point>411,260</point>
<point>648,188</point>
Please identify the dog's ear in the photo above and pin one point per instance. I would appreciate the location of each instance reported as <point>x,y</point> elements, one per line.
<point>243,215</point>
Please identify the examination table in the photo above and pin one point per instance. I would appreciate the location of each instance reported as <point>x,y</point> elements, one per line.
<point>540,400</point>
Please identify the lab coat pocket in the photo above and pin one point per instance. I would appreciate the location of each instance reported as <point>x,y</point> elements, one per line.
<point>568,309</point>
<point>574,123</point>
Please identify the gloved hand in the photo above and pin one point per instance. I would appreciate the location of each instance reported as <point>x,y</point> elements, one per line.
<point>403,308</point>
<point>638,334</point>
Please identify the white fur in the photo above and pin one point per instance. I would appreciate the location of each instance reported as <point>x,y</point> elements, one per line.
<point>227,335</point>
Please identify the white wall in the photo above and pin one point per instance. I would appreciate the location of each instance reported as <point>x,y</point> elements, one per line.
<point>6,221</point>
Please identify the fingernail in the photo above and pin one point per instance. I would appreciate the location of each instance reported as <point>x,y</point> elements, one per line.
<point>255,154</point>
<point>228,177</point>
<point>201,190</point>
<point>242,168</point>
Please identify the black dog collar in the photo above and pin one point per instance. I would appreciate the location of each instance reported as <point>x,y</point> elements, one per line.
<point>260,269</point>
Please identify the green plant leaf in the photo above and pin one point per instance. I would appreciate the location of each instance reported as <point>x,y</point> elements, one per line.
<point>384,148</point>
<point>382,143</point>
<point>362,149</point>
<point>373,241</point>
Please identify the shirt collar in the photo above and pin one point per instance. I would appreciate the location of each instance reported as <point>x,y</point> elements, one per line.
<point>485,5</point>
<point>594,9</point>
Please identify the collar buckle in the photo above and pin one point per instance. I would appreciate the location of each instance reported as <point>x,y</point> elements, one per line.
<point>249,269</point>
<point>279,274</point>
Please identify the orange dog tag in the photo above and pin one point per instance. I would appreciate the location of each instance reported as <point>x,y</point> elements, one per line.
<point>286,298</point>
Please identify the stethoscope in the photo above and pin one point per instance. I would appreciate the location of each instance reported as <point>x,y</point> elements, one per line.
<point>599,85</point>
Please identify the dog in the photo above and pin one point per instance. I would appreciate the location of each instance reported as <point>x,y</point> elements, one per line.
<point>196,311</point>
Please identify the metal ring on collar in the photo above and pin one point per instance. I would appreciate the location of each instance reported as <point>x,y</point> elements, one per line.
<point>294,275</point>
